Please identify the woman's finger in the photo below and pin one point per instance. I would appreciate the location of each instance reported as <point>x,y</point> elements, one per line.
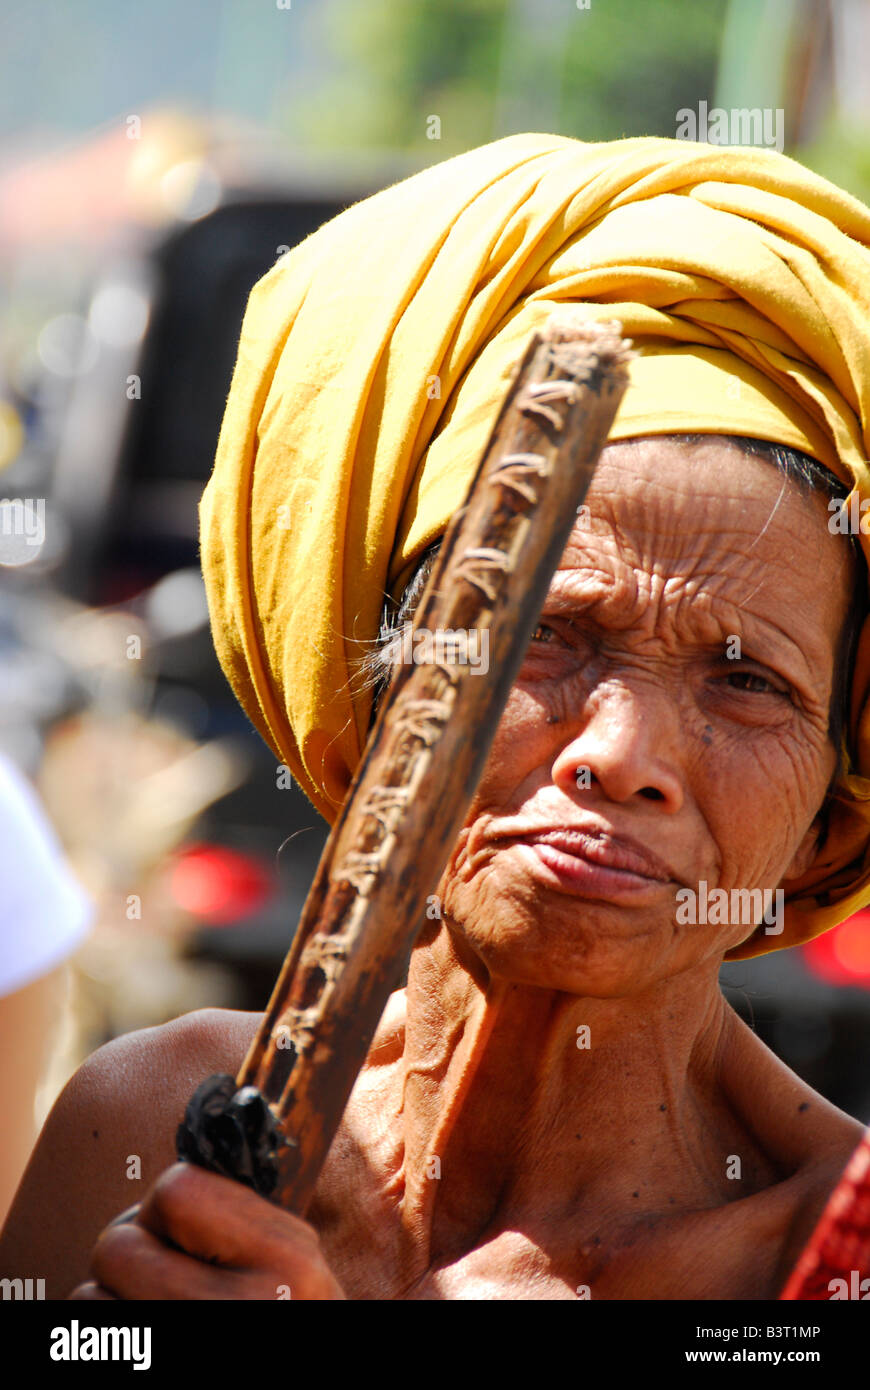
<point>214,1218</point>
<point>132,1263</point>
<point>91,1292</point>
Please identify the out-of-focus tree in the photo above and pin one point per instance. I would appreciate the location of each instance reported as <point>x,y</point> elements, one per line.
<point>809,58</point>
<point>409,73</point>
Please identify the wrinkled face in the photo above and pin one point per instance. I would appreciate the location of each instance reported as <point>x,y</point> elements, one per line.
<point>669,725</point>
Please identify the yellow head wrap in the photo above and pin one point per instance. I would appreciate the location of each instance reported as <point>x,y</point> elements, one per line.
<point>374,356</point>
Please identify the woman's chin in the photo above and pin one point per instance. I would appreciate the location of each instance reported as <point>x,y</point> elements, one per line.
<point>600,959</point>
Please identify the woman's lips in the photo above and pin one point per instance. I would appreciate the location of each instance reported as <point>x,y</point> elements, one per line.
<point>597,866</point>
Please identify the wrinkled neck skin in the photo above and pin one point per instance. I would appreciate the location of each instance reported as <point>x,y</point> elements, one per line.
<point>529,1128</point>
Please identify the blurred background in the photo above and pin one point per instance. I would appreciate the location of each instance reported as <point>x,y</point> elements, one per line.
<point>155,160</point>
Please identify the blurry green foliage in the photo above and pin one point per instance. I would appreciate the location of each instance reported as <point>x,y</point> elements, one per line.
<point>488,68</point>
<point>841,152</point>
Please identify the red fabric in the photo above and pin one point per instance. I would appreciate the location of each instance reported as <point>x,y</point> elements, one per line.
<point>840,1245</point>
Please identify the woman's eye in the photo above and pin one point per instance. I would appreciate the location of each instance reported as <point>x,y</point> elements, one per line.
<point>752,683</point>
<point>543,633</point>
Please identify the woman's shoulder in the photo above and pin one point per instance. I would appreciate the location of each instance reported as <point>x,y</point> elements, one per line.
<point>111,1132</point>
<point>816,1186</point>
<point>109,1135</point>
<point>799,1130</point>
<point>807,1139</point>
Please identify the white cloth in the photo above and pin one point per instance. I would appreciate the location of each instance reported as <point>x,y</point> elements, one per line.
<point>44,911</point>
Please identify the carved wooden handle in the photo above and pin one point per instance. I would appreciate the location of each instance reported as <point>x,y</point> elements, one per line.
<point>388,850</point>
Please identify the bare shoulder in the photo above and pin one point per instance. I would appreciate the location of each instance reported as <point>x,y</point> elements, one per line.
<point>817,1181</point>
<point>796,1127</point>
<point>111,1133</point>
<point>109,1136</point>
<point>806,1139</point>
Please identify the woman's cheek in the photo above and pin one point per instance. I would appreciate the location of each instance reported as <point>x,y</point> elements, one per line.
<point>761,797</point>
<point>525,735</point>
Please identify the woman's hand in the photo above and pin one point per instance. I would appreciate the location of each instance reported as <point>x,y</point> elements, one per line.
<point>201,1236</point>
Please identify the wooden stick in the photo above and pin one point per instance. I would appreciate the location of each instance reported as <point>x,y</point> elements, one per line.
<point>388,850</point>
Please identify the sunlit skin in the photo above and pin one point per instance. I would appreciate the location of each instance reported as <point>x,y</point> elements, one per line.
<point>604,1170</point>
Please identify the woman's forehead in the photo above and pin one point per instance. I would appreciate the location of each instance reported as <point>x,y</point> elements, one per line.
<point>725,523</point>
<point>676,496</point>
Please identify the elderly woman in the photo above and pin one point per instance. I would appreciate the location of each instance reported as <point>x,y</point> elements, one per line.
<point>560,1103</point>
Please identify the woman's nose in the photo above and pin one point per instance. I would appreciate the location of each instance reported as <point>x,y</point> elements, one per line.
<point>628,745</point>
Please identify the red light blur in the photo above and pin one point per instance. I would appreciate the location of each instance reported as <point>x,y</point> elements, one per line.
<point>842,955</point>
<point>219,885</point>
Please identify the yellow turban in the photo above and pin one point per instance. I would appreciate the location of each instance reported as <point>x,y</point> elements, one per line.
<point>374,356</point>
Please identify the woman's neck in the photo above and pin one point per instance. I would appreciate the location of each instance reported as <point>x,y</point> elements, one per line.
<point>523,1101</point>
